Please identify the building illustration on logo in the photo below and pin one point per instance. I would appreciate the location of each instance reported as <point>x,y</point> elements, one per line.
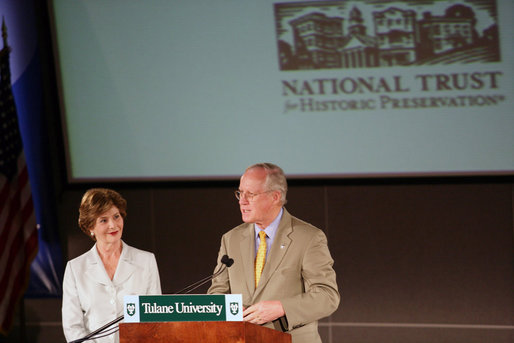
<point>311,37</point>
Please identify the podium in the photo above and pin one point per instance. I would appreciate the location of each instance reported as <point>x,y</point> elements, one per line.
<point>205,332</point>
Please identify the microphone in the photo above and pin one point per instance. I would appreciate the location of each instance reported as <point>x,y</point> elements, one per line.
<point>226,261</point>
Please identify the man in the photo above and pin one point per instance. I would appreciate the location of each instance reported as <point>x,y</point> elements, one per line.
<point>297,285</point>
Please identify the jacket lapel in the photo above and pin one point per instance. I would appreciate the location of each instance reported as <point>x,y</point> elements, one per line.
<point>247,249</point>
<point>126,266</point>
<point>95,269</point>
<point>277,253</point>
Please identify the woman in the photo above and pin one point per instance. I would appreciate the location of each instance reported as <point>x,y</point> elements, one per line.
<point>95,282</point>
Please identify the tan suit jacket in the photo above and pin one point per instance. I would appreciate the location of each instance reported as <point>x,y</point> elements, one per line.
<point>298,272</point>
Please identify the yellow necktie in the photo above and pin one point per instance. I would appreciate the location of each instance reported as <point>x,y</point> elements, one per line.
<point>260,259</point>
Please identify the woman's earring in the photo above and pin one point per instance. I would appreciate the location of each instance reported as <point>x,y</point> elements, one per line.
<point>92,234</point>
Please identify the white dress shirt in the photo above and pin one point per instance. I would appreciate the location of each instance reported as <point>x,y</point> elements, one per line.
<point>271,230</point>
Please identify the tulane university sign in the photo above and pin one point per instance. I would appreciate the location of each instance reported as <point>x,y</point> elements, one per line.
<point>174,308</point>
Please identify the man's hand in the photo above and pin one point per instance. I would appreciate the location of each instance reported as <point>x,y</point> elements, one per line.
<point>263,312</point>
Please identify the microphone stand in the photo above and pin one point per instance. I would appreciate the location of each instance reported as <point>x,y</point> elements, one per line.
<point>96,332</point>
<point>227,262</point>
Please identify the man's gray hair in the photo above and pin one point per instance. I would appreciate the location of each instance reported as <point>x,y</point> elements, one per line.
<point>275,179</point>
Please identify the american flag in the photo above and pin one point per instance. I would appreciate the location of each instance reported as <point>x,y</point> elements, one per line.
<point>18,234</point>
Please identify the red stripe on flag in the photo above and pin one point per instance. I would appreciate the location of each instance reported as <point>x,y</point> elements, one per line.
<point>21,280</point>
<point>3,194</point>
<point>18,242</point>
<point>12,208</point>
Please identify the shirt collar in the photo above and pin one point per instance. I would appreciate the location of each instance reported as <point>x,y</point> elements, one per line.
<point>271,229</point>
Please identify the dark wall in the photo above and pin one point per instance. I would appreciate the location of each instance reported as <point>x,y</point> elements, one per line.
<point>418,261</point>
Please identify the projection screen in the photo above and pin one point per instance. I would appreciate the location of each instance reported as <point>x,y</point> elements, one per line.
<point>198,90</point>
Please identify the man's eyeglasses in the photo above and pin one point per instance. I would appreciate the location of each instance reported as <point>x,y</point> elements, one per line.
<point>247,195</point>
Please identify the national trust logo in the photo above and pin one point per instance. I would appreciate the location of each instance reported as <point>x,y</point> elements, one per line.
<point>349,55</point>
<point>370,33</point>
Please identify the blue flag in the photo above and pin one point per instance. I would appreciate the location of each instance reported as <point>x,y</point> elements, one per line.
<point>27,89</point>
